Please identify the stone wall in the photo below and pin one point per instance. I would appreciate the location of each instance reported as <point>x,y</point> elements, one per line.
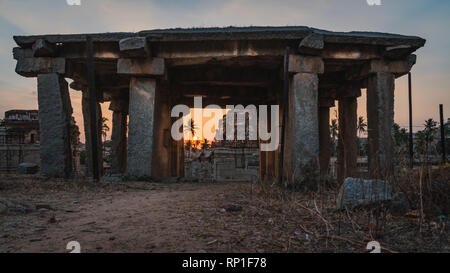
<point>12,155</point>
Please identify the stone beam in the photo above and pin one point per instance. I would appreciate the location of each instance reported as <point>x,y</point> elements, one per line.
<point>306,64</point>
<point>141,67</point>
<point>32,67</point>
<point>134,47</point>
<point>55,115</point>
<point>397,67</point>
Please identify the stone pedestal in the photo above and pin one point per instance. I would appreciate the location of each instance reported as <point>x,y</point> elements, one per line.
<point>140,136</point>
<point>55,114</point>
<point>380,119</point>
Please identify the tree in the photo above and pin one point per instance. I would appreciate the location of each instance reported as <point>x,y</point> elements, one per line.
<point>400,135</point>
<point>426,137</point>
<point>105,130</point>
<point>334,129</point>
<point>191,128</point>
<point>361,127</point>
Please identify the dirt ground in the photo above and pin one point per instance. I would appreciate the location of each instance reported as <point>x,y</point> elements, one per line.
<point>196,218</point>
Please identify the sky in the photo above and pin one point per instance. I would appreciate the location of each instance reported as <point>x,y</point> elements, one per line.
<point>428,19</point>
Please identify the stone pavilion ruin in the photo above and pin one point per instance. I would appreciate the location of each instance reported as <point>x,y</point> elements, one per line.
<point>145,74</point>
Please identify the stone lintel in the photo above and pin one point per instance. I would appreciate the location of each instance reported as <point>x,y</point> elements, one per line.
<point>32,67</point>
<point>306,64</point>
<point>326,102</point>
<point>312,44</point>
<point>134,47</point>
<point>349,91</point>
<point>42,48</point>
<point>397,67</point>
<point>141,67</point>
<point>118,105</point>
<point>77,86</point>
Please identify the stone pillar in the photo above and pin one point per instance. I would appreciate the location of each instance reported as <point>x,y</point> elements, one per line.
<point>55,115</point>
<point>380,119</point>
<point>119,136</point>
<point>302,131</point>
<point>140,136</point>
<point>87,134</point>
<point>324,139</point>
<point>348,141</point>
<point>162,135</point>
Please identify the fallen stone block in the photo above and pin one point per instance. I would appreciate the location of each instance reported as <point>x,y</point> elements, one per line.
<point>361,192</point>
<point>28,168</point>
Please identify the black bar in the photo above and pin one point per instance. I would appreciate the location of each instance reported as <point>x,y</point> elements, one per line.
<point>441,111</point>
<point>283,121</point>
<point>92,107</point>
<point>411,140</point>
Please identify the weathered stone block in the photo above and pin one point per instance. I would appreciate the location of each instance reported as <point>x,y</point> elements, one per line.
<point>28,168</point>
<point>306,64</point>
<point>31,67</point>
<point>397,67</point>
<point>140,136</point>
<point>142,67</point>
<point>55,114</point>
<point>358,192</point>
<point>134,47</point>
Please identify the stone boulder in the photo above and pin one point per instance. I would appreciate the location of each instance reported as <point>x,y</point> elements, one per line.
<point>361,192</point>
<point>28,168</point>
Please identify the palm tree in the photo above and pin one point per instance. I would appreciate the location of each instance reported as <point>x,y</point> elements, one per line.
<point>105,130</point>
<point>426,137</point>
<point>361,127</point>
<point>191,128</point>
<point>334,129</point>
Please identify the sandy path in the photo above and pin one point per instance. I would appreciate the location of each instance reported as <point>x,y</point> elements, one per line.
<point>161,219</point>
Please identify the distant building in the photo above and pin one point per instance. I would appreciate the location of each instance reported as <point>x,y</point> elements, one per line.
<point>19,140</point>
<point>20,127</point>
